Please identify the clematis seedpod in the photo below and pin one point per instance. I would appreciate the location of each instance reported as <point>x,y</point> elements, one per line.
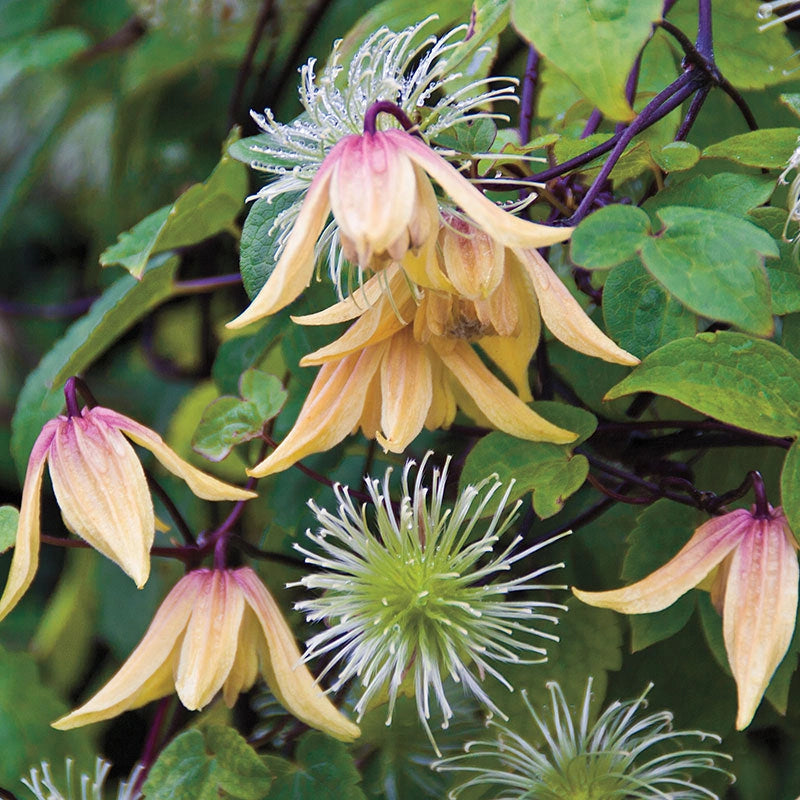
<point>101,490</point>
<point>755,588</point>
<point>215,631</point>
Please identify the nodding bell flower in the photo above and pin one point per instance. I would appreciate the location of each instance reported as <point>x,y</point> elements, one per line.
<point>384,205</point>
<point>101,490</point>
<point>215,631</point>
<point>754,587</point>
<point>393,373</point>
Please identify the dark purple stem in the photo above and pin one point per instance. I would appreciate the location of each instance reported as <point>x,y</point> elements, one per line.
<point>172,509</point>
<point>71,397</point>
<point>705,38</point>
<point>202,285</point>
<point>385,107</point>
<point>7,794</point>
<point>630,86</point>
<point>760,495</point>
<point>151,748</point>
<point>691,114</point>
<point>528,99</point>
<point>593,123</point>
<point>664,102</point>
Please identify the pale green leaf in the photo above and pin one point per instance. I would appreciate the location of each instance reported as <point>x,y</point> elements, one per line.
<point>790,488</point>
<point>676,156</point>
<point>9,520</point>
<point>38,52</point>
<point>751,383</point>
<point>594,42</point>
<point>769,148</point>
<point>609,236</point>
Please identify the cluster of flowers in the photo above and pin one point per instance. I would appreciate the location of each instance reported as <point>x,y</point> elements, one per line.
<point>410,588</point>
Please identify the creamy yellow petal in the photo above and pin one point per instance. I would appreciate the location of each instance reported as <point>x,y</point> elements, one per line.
<point>148,672</point>
<point>370,421</point>
<point>760,609</point>
<point>424,268</point>
<point>474,262</point>
<point>406,392</point>
<point>375,325</point>
<point>443,401</point>
<point>500,405</point>
<point>331,410</point>
<point>102,491</point>
<point>500,225</point>
<point>201,483</point>
<point>563,315</point>
<point>295,267</point>
<point>709,545</point>
<point>209,645</point>
<point>26,548</point>
<point>372,194</point>
<point>244,671</point>
<point>288,678</point>
<point>355,304</point>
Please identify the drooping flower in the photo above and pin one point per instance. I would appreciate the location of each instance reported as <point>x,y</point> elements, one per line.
<point>215,631</point>
<point>83,787</point>
<point>411,592</point>
<point>622,755</point>
<point>755,588</point>
<point>408,361</point>
<point>383,205</point>
<point>101,490</point>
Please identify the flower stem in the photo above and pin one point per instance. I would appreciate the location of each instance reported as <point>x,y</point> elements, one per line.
<point>385,107</point>
<point>151,748</point>
<point>202,285</point>
<point>172,509</point>
<point>528,99</point>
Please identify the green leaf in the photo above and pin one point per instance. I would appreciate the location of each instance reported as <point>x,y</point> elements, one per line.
<point>259,244</point>
<point>324,771</point>
<point>38,52</point>
<point>725,191</point>
<point>639,315</point>
<point>712,262</point>
<point>784,274</point>
<point>117,309</point>
<point>661,530</point>
<point>27,707</point>
<point>18,17</point>
<point>677,156</point>
<point>472,136</point>
<point>609,236</point>
<point>203,210</point>
<point>200,765</point>
<point>769,148</point>
<point>552,472</point>
<point>229,421</point>
<point>236,355</point>
<point>9,521</point>
<point>790,488</point>
<point>633,162</point>
<point>594,42</point>
<point>751,383</point>
<point>590,644</point>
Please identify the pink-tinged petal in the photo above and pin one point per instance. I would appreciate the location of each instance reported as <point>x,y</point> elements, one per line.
<point>295,267</point>
<point>760,609</point>
<point>102,491</point>
<point>563,315</point>
<point>201,483</point>
<point>500,405</point>
<point>406,392</point>
<point>288,678</point>
<point>500,225</point>
<point>26,548</point>
<point>331,411</point>
<point>209,646</point>
<point>148,672</point>
<point>373,194</point>
<point>709,545</point>
<point>391,314</point>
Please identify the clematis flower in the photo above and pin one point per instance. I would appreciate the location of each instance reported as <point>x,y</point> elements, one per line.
<point>754,588</point>
<point>101,490</point>
<point>215,631</point>
<point>393,373</point>
<point>383,205</point>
